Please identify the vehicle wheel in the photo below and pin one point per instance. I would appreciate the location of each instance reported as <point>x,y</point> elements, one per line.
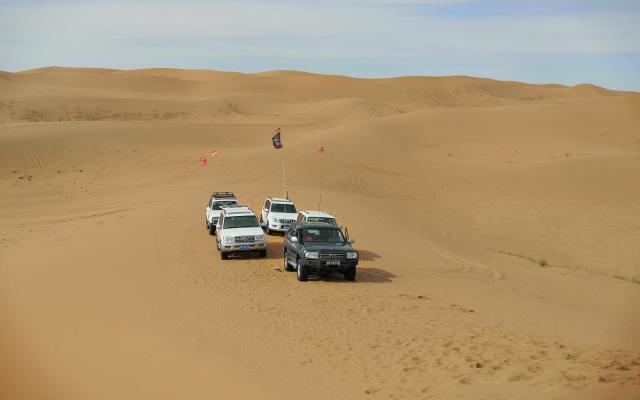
<point>212,229</point>
<point>350,274</point>
<point>262,253</point>
<point>302,272</point>
<point>224,255</point>
<point>287,266</point>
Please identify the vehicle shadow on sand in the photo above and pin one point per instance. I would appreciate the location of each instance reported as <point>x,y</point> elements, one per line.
<point>366,255</point>
<point>274,252</point>
<point>364,275</point>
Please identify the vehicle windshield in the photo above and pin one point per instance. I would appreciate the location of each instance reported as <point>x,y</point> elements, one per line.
<point>241,221</point>
<point>329,235</point>
<point>217,205</point>
<point>326,220</point>
<point>283,208</point>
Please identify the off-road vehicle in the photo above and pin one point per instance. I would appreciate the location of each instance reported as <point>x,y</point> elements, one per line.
<point>277,215</point>
<point>238,231</point>
<point>214,208</point>
<point>316,247</point>
<point>316,216</point>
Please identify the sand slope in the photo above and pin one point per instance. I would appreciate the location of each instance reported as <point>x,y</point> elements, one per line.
<point>498,225</point>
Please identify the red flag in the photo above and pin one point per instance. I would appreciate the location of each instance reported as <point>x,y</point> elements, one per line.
<point>321,150</point>
<point>203,161</point>
<point>214,153</point>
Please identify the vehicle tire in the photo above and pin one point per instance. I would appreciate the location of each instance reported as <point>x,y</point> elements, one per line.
<point>350,274</point>
<point>224,255</point>
<point>212,229</point>
<point>287,266</point>
<point>302,272</point>
<point>262,253</point>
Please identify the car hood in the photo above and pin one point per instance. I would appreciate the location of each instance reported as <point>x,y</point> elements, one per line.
<point>283,215</point>
<point>242,231</point>
<point>327,246</point>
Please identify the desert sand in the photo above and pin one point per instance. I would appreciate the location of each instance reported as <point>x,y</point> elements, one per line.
<point>498,225</point>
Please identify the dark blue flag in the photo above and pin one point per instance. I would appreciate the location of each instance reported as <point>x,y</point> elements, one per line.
<point>277,143</point>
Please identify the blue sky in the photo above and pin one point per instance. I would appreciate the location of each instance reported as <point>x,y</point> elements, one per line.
<point>569,42</point>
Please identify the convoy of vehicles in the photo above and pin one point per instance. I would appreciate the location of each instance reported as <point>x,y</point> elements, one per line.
<point>313,241</point>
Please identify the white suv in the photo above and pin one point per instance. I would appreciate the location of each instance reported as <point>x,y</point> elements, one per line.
<point>214,208</point>
<point>278,214</point>
<point>238,231</point>
<point>316,216</point>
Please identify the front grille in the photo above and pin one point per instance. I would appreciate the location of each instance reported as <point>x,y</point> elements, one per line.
<point>333,256</point>
<point>244,239</point>
<point>286,221</point>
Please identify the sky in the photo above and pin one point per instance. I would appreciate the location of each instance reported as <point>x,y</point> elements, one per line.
<point>544,41</point>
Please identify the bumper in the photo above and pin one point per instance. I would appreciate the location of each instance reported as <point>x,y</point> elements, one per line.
<point>236,247</point>
<point>322,266</point>
<point>279,227</point>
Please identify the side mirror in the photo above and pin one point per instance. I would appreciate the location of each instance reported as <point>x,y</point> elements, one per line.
<point>294,239</point>
<point>351,241</point>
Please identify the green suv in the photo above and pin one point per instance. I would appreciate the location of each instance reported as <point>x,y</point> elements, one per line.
<point>320,248</point>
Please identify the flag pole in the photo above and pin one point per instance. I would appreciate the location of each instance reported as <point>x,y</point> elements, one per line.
<point>284,186</point>
<point>321,151</point>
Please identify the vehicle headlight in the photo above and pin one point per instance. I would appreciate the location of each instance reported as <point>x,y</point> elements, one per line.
<point>227,239</point>
<point>352,255</point>
<point>311,255</point>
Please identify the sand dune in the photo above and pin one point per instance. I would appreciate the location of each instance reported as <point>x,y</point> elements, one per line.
<point>498,225</point>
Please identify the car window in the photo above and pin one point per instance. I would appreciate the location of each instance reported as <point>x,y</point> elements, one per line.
<point>222,203</point>
<point>326,220</point>
<point>329,235</point>
<point>283,208</point>
<point>240,221</point>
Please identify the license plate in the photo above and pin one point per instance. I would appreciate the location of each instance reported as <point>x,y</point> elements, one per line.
<point>245,246</point>
<point>333,262</point>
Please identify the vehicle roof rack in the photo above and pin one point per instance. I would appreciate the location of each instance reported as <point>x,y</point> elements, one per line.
<point>223,194</point>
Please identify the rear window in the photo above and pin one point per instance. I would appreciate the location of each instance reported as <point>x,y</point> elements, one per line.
<point>217,205</point>
<point>326,220</point>
<point>283,208</point>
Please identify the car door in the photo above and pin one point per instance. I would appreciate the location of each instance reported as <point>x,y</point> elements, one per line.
<point>265,212</point>
<point>208,211</point>
<point>219,229</point>
<point>291,246</point>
